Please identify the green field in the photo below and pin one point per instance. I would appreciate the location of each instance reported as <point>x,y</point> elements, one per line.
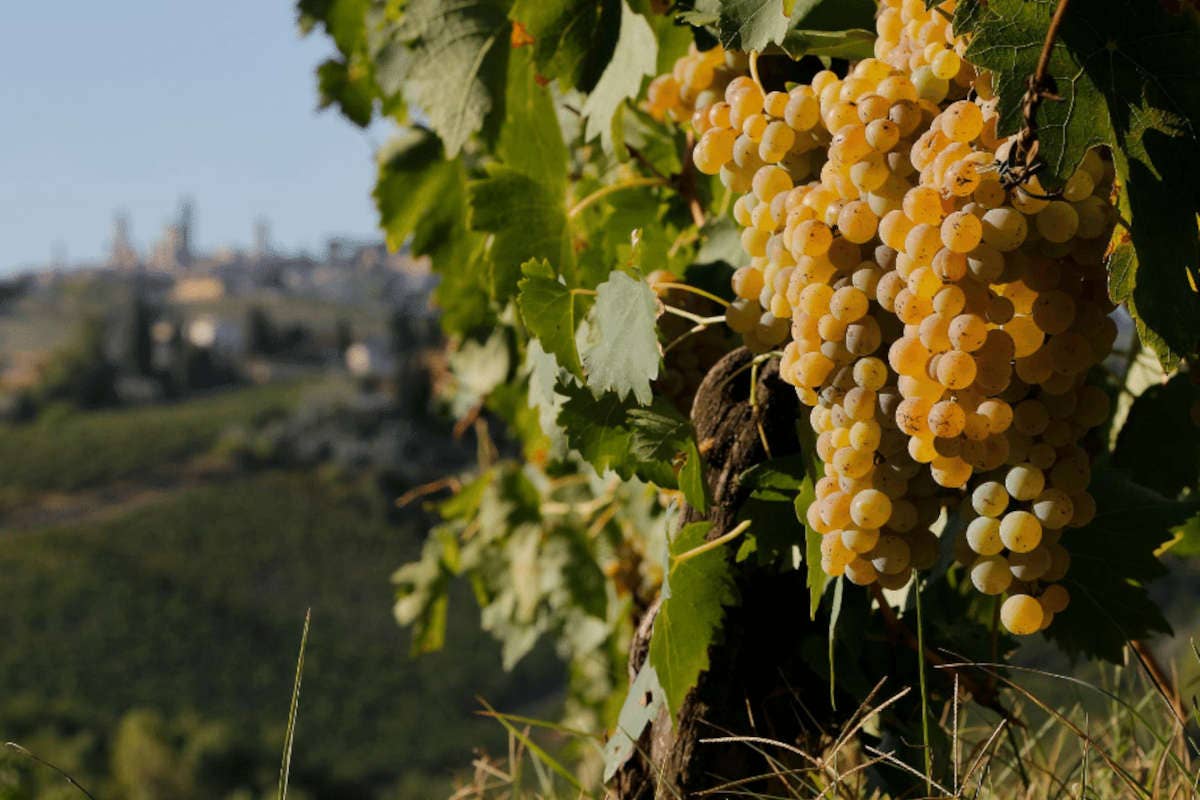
<point>195,604</point>
<point>75,451</point>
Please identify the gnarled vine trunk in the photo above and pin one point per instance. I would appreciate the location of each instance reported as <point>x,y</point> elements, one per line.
<point>758,682</point>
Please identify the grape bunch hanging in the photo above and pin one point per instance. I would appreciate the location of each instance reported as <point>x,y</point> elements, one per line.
<point>937,316</point>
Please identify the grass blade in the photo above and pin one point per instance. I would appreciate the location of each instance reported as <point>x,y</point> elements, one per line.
<point>38,759</point>
<point>285,767</point>
<point>537,751</point>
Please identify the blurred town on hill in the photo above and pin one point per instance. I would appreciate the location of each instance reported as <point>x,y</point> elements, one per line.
<point>245,310</point>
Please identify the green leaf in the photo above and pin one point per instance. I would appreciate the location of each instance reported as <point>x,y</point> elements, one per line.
<point>817,579</point>
<point>530,139</point>
<point>543,369</point>
<point>854,44</point>
<point>342,20</point>
<point>418,193</point>
<point>691,479</point>
<point>573,40</point>
<point>835,614</point>
<point>457,68</point>
<point>622,353</point>
<point>633,59</point>
<point>528,220</point>
<point>753,24</point>
<point>641,707</point>
<point>1167,327</point>
<point>658,436</point>
<point>1127,81</point>
<point>695,593</point>
<point>770,508</point>
<point>421,195</point>
<point>1112,560</point>
<point>422,591</point>
<point>353,95</point>
<point>721,241</point>
<point>778,480</point>
<point>478,368</point>
<point>757,24</point>
<point>548,309</point>
<point>1186,543</point>
<point>608,433</point>
<point>1162,415</point>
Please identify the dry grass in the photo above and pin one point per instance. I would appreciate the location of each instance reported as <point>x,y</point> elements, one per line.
<point>1114,735</point>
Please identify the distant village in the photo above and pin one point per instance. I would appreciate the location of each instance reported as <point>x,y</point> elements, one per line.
<point>215,308</point>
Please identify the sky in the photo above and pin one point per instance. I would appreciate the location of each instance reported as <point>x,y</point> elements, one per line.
<point>134,104</point>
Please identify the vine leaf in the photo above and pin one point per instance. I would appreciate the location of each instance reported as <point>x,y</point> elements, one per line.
<point>478,368</point>
<point>417,193</point>
<point>641,706</point>
<point>422,591</point>
<point>353,94</point>
<point>528,219</point>
<point>1162,414</point>
<point>622,352</point>
<point>615,434</point>
<point>530,138</point>
<point>757,24</point>
<point>457,66</point>
<point>1112,560</point>
<point>573,40</point>
<point>634,57</point>
<point>347,81</point>
<point>695,593</point>
<point>854,44</point>
<point>421,199</point>
<point>774,531</point>
<point>1127,81</point>
<point>691,478</point>
<point>817,579</point>
<point>542,395</point>
<point>548,308</point>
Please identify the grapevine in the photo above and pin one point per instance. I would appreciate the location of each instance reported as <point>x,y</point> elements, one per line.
<point>765,302</point>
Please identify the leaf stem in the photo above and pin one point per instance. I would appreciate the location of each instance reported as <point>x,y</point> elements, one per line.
<point>754,70</point>
<point>1043,64</point>
<point>681,337</point>
<point>588,292</point>
<point>696,318</point>
<point>1025,148</point>
<point>713,545</point>
<point>684,287</point>
<point>612,188</point>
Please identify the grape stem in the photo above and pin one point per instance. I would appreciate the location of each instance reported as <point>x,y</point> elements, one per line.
<point>897,629</point>
<point>684,287</point>
<point>450,483</point>
<point>689,332</point>
<point>605,191</point>
<point>1022,162</point>
<point>696,318</point>
<point>712,545</point>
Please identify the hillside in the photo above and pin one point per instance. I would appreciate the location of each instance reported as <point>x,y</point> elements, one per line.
<point>161,603</point>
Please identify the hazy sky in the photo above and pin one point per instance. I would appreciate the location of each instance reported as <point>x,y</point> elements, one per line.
<point>132,104</point>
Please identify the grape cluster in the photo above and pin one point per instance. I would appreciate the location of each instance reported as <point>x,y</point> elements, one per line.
<point>939,320</point>
<point>695,82</point>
